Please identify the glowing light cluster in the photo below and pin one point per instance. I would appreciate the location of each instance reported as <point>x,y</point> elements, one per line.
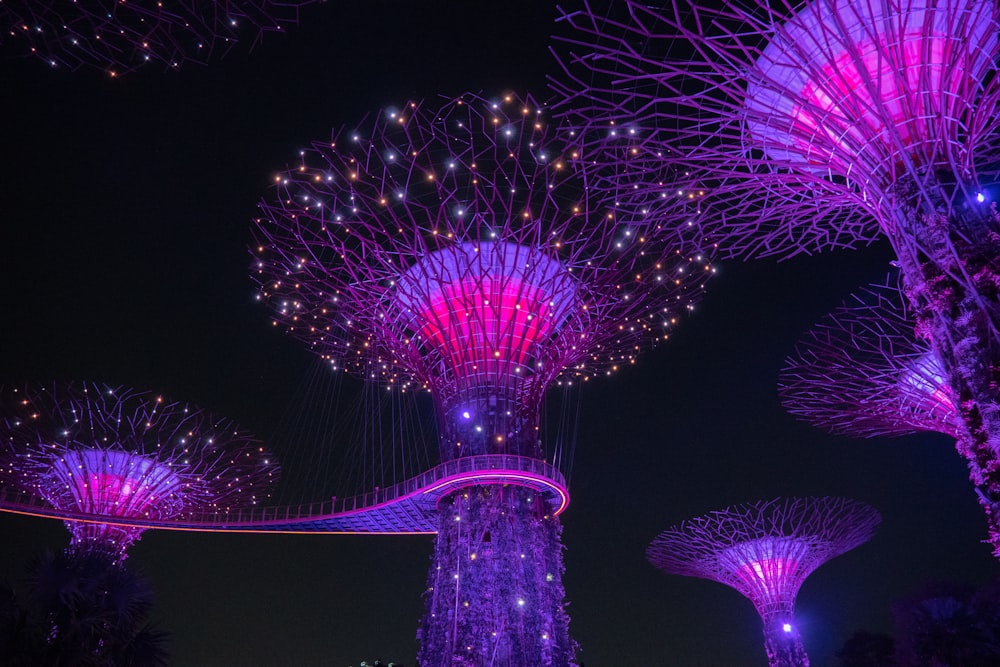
<point>92,451</point>
<point>765,551</point>
<point>764,568</point>
<point>116,483</point>
<point>119,37</point>
<point>862,371</point>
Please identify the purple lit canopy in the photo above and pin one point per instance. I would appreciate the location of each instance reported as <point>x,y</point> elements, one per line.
<point>801,120</point>
<point>862,371</point>
<point>455,250</point>
<point>95,452</point>
<point>766,550</point>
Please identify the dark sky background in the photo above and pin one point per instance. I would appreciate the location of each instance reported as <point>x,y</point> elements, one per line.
<point>124,222</point>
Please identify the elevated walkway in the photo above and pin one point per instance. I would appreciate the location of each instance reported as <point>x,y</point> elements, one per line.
<point>409,507</point>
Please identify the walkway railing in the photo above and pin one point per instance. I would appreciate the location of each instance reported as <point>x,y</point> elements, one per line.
<point>420,493</point>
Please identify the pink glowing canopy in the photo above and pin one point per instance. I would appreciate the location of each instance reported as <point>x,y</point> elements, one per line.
<point>804,123</point>
<point>113,483</point>
<point>768,569</point>
<point>765,550</point>
<point>453,247</point>
<point>109,483</point>
<point>924,381</point>
<point>484,309</point>
<point>867,85</point>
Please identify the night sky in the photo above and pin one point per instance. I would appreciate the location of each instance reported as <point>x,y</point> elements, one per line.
<point>125,211</point>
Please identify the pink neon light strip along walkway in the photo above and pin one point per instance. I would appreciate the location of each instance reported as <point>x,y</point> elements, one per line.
<point>407,508</point>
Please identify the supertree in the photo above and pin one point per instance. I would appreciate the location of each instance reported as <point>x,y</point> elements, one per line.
<point>766,550</point>
<point>120,37</point>
<point>97,453</point>
<point>861,371</point>
<point>454,250</point>
<point>825,125</point>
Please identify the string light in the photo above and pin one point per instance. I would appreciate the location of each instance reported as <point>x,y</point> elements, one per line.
<point>188,32</point>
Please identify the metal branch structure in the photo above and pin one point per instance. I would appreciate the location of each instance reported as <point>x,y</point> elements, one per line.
<point>814,126</point>
<point>91,450</point>
<point>766,550</point>
<point>861,371</point>
<point>120,37</point>
<point>455,250</point>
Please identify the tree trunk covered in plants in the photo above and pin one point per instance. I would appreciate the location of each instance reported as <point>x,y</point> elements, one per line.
<point>494,594</point>
<point>950,255</point>
<point>784,647</point>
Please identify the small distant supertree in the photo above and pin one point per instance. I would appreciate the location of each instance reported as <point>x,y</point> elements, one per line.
<point>119,37</point>
<point>454,249</point>
<point>813,126</point>
<point>97,453</point>
<point>766,550</point>
<point>861,371</point>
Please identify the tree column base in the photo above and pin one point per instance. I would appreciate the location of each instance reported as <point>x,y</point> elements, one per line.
<point>494,594</point>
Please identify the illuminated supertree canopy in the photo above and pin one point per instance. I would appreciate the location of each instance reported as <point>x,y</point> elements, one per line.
<point>766,550</point>
<point>816,126</point>
<point>120,37</point>
<point>862,371</point>
<point>97,453</point>
<point>455,250</point>
<point>464,268</point>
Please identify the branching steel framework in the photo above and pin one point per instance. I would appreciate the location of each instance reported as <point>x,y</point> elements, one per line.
<point>119,37</point>
<point>101,451</point>
<point>455,250</point>
<point>817,126</point>
<point>766,550</point>
<point>861,371</point>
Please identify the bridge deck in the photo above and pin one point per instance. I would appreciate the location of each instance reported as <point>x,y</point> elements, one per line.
<point>409,507</point>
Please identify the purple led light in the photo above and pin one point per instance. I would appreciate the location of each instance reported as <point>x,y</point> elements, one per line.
<point>844,105</point>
